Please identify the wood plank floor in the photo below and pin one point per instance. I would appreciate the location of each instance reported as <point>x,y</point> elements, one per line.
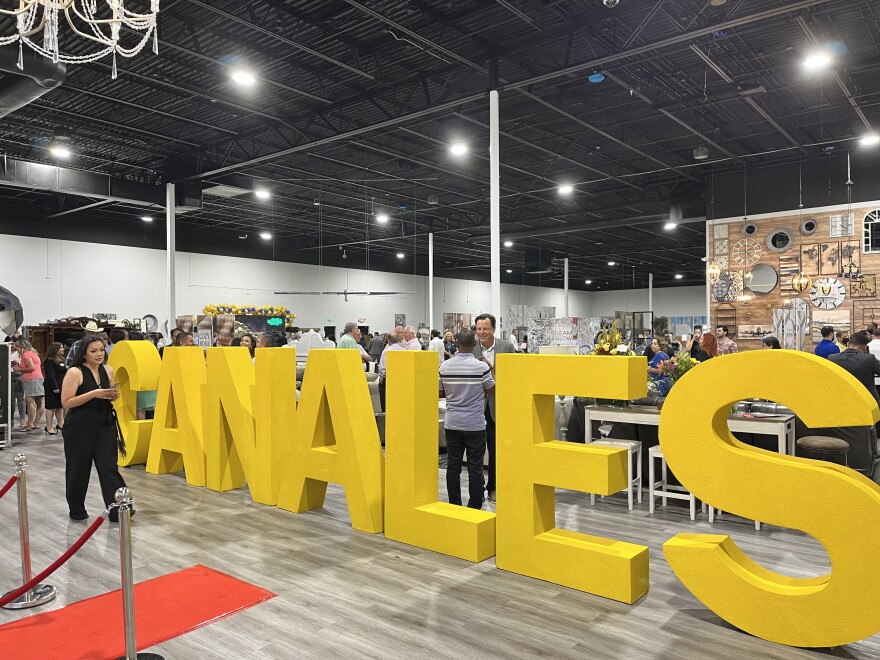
<point>343,593</point>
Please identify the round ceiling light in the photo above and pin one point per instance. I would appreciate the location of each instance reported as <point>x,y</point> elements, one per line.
<point>400,255</point>
<point>566,189</point>
<point>382,217</point>
<point>596,77</point>
<point>701,152</point>
<point>458,149</point>
<point>817,61</point>
<point>508,243</point>
<point>262,193</point>
<point>243,77</point>
<point>870,140</point>
<point>266,236</point>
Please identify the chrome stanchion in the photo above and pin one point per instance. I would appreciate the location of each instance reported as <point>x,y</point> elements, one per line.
<point>42,593</point>
<point>124,501</point>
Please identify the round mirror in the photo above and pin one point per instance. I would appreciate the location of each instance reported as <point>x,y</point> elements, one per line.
<point>764,279</point>
<point>779,240</point>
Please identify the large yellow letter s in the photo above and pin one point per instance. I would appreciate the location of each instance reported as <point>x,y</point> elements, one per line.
<point>836,505</point>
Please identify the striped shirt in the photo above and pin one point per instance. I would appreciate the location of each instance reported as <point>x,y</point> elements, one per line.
<point>463,380</point>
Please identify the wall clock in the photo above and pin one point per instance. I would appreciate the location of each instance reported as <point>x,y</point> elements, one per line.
<point>746,252</point>
<point>827,293</point>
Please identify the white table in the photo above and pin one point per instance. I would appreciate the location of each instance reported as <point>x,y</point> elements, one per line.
<point>782,426</point>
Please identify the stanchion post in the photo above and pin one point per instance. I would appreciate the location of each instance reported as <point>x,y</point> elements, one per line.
<point>124,502</point>
<point>42,593</point>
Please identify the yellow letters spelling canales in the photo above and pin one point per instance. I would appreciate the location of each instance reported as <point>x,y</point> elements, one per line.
<point>836,505</point>
<point>412,513</point>
<point>176,441</point>
<point>532,464</point>
<point>136,365</point>
<point>336,440</point>
<point>248,424</point>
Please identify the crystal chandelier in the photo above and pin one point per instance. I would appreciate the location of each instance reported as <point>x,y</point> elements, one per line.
<point>39,24</point>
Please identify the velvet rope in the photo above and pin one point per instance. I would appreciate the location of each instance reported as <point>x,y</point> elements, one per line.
<point>8,485</point>
<point>58,563</point>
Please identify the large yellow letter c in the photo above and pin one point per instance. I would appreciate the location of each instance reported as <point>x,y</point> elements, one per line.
<point>836,505</point>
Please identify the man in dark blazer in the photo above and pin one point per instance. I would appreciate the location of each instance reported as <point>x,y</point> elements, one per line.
<point>859,362</point>
<point>487,348</point>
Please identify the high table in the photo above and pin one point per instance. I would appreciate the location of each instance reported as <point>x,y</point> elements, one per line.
<point>782,426</point>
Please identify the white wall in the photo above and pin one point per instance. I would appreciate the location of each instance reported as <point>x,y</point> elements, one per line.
<point>55,279</point>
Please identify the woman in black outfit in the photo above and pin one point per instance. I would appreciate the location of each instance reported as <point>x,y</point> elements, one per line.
<point>90,432</point>
<point>54,369</point>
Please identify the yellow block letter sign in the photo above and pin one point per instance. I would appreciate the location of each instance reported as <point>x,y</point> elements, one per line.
<point>531,464</point>
<point>836,505</point>
<point>176,441</point>
<point>412,513</point>
<point>336,440</point>
<point>136,365</point>
<point>249,424</point>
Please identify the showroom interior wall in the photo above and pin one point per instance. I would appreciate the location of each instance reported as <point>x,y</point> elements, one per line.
<point>55,279</point>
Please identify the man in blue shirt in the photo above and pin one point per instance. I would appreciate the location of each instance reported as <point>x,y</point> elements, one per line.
<point>465,381</point>
<point>827,346</point>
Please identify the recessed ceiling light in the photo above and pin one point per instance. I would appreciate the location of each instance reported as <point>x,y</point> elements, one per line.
<point>508,243</point>
<point>870,140</point>
<point>612,263</point>
<point>669,226</point>
<point>262,193</point>
<point>146,218</point>
<point>244,77</point>
<point>509,271</point>
<point>679,276</point>
<point>266,236</point>
<point>458,149</point>
<point>400,255</point>
<point>817,61</point>
<point>382,217</point>
<point>59,151</point>
<point>566,189</point>
<point>588,281</point>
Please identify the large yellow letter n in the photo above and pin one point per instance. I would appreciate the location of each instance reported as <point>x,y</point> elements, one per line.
<point>412,513</point>
<point>336,440</point>
<point>834,504</point>
<point>531,464</point>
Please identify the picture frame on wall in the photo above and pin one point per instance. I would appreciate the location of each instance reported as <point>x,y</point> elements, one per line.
<point>810,259</point>
<point>863,287</point>
<point>788,268</point>
<point>754,331</point>
<point>400,320</point>
<point>839,319</point>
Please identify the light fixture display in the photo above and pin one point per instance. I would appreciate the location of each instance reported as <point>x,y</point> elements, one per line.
<point>39,25</point>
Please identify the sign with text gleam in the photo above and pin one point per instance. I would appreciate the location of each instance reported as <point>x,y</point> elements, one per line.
<point>224,421</point>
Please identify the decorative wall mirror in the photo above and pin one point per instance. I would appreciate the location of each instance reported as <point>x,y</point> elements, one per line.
<point>779,240</point>
<point>809,227</point>
<point>871,232</point>
<point>764,279</point>
<point>749,229</point>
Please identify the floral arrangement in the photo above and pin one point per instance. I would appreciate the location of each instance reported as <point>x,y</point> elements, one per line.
<point>238,310</point>
<point>611,342</point>
<point>676,367</point>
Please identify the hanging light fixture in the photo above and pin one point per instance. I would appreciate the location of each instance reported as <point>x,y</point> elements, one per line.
<point>746,298</point>
<point>38,25</point>
<point>801,281</point>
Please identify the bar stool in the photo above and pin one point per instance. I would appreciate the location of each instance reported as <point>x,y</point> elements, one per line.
<point>824,445</point>
<point>665,491</point>
<point>634,447</point>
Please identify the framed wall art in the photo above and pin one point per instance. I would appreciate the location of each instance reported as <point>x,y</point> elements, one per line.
<point>810,259</point>
<point>842,225</point>
<point>839,319</point>
<point>863,287</point>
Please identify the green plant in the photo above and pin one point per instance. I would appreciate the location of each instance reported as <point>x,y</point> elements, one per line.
<point>661,324</point>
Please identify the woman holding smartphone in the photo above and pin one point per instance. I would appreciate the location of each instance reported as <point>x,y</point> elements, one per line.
<point>90,431</point>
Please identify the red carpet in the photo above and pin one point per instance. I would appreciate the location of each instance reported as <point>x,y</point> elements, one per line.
<point>165,607</point>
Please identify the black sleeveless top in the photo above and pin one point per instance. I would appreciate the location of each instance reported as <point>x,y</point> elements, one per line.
<point>97,411</point>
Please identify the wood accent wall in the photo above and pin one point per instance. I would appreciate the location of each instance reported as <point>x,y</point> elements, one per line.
<point>861,308</point>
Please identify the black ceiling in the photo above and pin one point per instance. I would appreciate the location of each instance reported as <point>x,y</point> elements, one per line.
<point>358,100</point>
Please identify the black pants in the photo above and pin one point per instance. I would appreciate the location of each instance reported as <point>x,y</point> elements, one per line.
<point>83,444</point>
<point>382,393</point>
<point>490,443</point>
<point>456,444</point>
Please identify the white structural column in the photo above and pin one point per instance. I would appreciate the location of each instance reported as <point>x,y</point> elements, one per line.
<point>170,249</point>
<point>431,282</point>
<point>565,282</point>
<point>495,201</point>
<point>651,294</point>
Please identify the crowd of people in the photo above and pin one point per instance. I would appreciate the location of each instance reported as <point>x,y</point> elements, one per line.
<point>71,388</point>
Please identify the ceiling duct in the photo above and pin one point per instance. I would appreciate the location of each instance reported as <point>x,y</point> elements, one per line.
<point>18,87</point>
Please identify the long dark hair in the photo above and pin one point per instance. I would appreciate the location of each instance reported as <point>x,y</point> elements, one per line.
<point>53,351</point>
<point>79,357</point>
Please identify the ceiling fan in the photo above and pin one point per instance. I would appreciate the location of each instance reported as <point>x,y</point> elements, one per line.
<point>346,293</point>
